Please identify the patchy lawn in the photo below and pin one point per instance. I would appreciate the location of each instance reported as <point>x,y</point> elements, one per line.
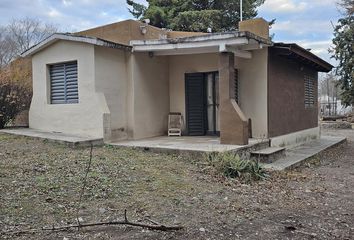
<point>40,184</point>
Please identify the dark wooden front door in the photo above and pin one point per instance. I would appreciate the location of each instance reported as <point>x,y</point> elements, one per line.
<point>195,104</point>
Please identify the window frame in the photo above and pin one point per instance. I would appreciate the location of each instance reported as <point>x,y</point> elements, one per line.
<point>73,82</point>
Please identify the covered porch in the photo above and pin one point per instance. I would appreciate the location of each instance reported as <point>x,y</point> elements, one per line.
<point>217,82</point>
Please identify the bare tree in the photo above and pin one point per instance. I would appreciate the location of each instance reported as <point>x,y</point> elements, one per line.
<point>348,5</point>
<point>7,47</point>
<point>21,34</point>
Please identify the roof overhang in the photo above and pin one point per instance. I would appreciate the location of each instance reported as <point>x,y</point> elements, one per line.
<point>74,38</point>
<point>238,42</point>
<point>295,52</point>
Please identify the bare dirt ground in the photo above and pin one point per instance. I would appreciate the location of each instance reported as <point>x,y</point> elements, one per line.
<point>40,184</point>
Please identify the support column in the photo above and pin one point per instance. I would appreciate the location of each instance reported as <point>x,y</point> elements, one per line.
<point>233,123</point>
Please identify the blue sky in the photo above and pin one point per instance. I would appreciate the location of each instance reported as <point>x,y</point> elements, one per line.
<point>306,22</point>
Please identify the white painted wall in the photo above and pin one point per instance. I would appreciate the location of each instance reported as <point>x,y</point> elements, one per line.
<point>112,80</point>
<point>253,98</point>
<point>179,66</point>
<point>124,95</point>
<point>84,118</point>
<point>150,95</point>
<point>294,139</point>
<point>252,80</point>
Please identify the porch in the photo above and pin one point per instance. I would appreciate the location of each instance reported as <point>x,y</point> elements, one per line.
<point>189,144</point>
<point>217,84</point>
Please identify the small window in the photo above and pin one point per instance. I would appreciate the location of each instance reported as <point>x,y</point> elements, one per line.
<point>309,91</point>
<point>63,83</point>
<point>236,86</point>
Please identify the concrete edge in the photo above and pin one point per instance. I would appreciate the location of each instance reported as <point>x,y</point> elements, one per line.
<point>198,154</point>
<point>305,158</point>
<point>295,139</point>
<point>71,144</point>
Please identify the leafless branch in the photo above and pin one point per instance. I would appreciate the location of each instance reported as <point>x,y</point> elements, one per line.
<point>84,184</point>
<point>154,226</point>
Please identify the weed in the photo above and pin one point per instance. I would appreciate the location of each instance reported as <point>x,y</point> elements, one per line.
<point>231,165</point>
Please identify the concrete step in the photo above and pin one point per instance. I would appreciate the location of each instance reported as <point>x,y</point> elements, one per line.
<point>268,155</point>
<point>300,154</point>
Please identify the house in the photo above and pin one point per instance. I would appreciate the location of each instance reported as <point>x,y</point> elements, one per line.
<point>120,81</point>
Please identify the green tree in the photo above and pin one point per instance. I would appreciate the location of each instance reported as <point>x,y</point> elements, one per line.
<point>343,52</point>
<point>195,15</point>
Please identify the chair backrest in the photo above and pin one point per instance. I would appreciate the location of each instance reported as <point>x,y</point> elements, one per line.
<point>174,120</point>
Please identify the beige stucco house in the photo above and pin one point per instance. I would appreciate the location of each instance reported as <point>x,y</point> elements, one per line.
<point>120,81</point>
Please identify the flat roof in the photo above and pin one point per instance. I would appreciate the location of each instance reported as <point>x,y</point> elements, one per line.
<point>202,38</point>
<point>237,42</point>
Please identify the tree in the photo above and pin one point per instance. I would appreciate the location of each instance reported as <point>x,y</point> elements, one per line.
<point>343,52</point>
<point>15,89</point>
<point>16,72</point>
<point>348,6</point>
<point>195,15</point>
<point>21,34</point>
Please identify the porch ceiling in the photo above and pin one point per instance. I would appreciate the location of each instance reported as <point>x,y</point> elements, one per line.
<point>237,42</point>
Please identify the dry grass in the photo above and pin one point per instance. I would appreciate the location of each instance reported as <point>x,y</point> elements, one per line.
<point>40,184</point>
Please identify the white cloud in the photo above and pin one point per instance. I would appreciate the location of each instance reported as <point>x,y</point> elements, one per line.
<point>319,48</point>
<point>53,13</point>
<point>67,3</point>
<point>283,6</point>
<point>303,27</point>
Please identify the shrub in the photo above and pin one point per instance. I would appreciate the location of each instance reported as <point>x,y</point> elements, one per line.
<point>231,165</point>
<point>14,98</point>
<point>15,89</point>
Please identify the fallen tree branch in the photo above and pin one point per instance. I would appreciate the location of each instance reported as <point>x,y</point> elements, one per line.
<point>155,226</point>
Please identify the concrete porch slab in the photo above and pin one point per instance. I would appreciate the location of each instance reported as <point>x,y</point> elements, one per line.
<point>298,155</point>
<point>187,144</point>
<point>69,140</point>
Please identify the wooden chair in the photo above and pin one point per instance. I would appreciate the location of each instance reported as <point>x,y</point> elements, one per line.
<point>174,124</point>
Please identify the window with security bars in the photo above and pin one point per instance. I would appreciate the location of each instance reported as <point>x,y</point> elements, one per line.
<point>63,83</point>
<point>236,86</point>
<point>309,91</point>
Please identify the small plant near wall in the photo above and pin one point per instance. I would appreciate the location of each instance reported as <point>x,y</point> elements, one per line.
<point>233,166</point>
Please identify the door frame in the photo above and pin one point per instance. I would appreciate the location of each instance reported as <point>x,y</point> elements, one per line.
<point>205,103</point>
<point>215,132</point>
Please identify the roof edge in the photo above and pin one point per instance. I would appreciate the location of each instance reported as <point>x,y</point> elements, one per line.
<point>296,49</point>
<point>202,38</point>
<point>75,38</point>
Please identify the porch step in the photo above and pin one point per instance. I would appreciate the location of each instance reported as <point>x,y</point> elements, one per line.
<point>268,155</point>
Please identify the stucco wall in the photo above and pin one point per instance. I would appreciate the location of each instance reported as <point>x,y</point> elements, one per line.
<point>123,32</point>
<point>111,80</point>
<point>252,84</point>
<point>150,95</point>
<point>84,118</point>
<point>253,90</point>
<point>179,66</point>
<point>287,112</point>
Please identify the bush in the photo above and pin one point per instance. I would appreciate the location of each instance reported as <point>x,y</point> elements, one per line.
<point>231,165</point>
<point>15,89</point>
<point>14,98</point>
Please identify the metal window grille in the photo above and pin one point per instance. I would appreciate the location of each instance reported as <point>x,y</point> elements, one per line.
<point>63,83</point>
<point>236,86</point>
<point>309,91</point>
